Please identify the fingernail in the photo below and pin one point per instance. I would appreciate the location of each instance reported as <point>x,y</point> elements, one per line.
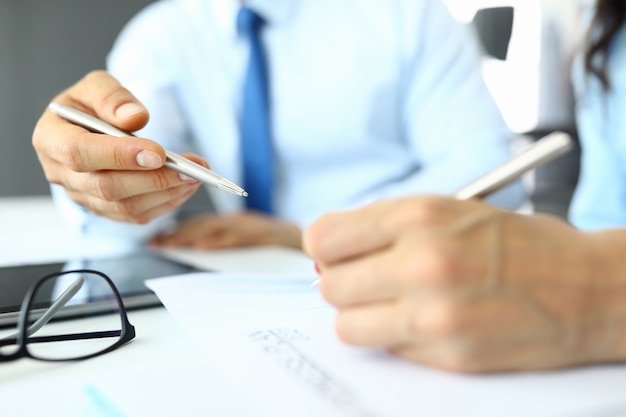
<point>128,109</point>
<point>148,159</point>
<point>317,268</point>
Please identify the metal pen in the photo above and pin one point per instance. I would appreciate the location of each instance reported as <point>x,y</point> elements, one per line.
<point>541,152</point>
<point>173,160</point>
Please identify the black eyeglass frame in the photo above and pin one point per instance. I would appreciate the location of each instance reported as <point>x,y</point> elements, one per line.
<point>126,333</point>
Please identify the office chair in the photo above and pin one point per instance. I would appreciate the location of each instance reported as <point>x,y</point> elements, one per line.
<point>555,182</point>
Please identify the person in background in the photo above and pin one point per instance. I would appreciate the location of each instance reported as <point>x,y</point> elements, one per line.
<point>599,83</point>
<point>365,100</point>
<point>468,287</point>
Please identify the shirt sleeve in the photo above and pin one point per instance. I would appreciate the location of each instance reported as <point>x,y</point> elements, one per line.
<point>599,200</point>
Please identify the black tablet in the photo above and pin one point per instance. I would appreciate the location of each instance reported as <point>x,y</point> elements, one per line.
<point>127,271</point>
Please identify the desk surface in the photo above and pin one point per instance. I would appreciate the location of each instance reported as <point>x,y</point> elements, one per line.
<point>31,227</point>
<point>157,364</point>
<point>163,372</point>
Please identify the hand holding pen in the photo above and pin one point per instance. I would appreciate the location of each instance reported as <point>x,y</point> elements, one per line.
<point>458,284</point>
<point>130,179</point>
<point>540,153</point>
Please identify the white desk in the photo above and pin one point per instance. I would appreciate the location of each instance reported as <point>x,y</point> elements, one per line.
<point>158,365</point>
<point>31,226</point>
<point>163,372</point>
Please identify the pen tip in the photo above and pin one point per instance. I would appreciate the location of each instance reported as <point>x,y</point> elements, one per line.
<point>224,184</point>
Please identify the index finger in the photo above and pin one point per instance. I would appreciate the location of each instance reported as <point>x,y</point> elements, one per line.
<point>340,236</point>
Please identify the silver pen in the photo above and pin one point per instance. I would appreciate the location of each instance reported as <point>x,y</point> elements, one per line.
<point>174,161</point>
<point>541,152</point>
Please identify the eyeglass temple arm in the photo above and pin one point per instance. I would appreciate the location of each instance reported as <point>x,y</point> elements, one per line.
<point>58,304</point>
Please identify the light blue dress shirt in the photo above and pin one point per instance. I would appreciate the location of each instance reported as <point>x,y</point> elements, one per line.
<point>370,99</point>
<point>600,198</point>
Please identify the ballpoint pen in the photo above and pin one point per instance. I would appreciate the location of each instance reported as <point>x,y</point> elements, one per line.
<point>174,161</point>
<point>540,153</point>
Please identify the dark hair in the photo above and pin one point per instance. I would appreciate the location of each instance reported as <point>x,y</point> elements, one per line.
<point>607,21</point>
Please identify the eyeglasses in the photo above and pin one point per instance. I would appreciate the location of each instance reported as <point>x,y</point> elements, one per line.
<point>44,330</point>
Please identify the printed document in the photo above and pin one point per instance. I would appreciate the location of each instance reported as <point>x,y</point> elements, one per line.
<point>273,337</point>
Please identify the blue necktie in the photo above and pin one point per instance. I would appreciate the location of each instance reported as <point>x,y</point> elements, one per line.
<point>256,145</point>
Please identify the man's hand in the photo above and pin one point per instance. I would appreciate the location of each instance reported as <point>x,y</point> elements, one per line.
<point>243,229</point>
<point>120,178</point>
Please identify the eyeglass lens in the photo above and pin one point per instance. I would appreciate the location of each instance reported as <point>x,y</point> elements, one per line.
<point>55,333</point>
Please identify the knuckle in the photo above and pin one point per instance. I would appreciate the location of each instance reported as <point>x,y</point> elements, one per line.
<point>129,210</point>
<point>176,201</point>
<point>72,157</point>
<point>118,156</point>
<point>326,291</point>
<point>112,98</point>
<point>330,292</point>
<point>461,362</point>
<point>140,219</point>
<point>443,319</point>
<point>57,180</point>
<point>136,210</point>
<point>82,200</point>
<point>440,266</point>
<point>432,266</point>
<point>105,188</point>
<point>343,329</point>
<point>160,181</point>
<point>410,271</point>
<point>416,212</point>
<point>52,176</point>
<point>449,322</point>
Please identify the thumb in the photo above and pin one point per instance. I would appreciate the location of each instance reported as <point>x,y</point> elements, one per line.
<point>101,94</point>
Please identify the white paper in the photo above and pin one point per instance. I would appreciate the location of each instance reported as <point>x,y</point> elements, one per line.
<point>255,259</point>
<point>274,337</point>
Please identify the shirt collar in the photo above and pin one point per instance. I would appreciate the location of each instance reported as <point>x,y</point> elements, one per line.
<point>274,11</point>
<point>224,12</point>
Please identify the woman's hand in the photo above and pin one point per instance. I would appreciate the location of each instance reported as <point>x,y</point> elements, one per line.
<point>464,286</point>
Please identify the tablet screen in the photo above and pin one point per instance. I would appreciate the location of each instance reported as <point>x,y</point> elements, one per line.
<point>128,272</point>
